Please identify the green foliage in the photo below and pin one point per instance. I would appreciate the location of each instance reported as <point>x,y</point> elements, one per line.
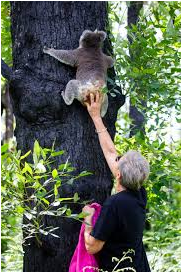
<point>6,43</point>
<point>32,190</point>
<point>148,68</point>
<point>126,255</point>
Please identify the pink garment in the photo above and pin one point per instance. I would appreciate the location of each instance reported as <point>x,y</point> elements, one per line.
<point>82,261</point>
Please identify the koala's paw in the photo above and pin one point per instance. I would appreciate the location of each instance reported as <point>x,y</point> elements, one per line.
<point>67,99</point>
<point>62,94</point>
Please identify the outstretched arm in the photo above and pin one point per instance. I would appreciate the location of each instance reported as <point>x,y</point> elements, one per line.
<point>106,143</point>
<point>65,56</point>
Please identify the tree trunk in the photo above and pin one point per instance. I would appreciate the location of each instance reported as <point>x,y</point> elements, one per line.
<point>36,84</point>
<point>136,116</point>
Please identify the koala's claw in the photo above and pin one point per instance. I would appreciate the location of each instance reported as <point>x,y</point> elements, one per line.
<point>45,49</point>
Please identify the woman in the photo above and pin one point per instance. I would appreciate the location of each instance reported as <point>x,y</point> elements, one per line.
<point>119,228</point>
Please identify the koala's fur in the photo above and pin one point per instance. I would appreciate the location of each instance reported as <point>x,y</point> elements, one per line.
<point>92,65</point>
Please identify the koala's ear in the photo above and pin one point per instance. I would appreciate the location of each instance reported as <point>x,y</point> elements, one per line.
<point>85,33</point>
<point>102,35</point>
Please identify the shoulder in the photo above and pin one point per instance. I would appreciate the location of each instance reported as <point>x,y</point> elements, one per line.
<point>114,199</point>
<point>124,202</point>
<point>122,199</point>
<point>143,193</point>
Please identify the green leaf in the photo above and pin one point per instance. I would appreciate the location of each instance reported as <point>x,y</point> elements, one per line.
<point>55,203</point>
<point>38,176</point>
<point>55,190</point>
<point>43,153</point>
<point>54,235</point>
<point>40,194</point>
<point>68,212</point>
<point>40,168</point>
<point>45,201</point>
<point>164,189</point>
<point>36,185</point>
<point>28,215</point>
<point>54,173</point>
<point>57,153</point>
<point>43,231</point>
<point>61,211</point>
<point>36,149</point>
<point>27,168</point>
<point>82,215</point>
<point>76,197</point>
<point>70,181</point>
<point>104,90</point>
<point>53,229</point>
<point>178,120</point>
<point>20,209</point>
<point>48,212</point>
<point>21,177</point>
<point>110,81</point>
<point>135,70</point>
<point>58,182</point>
<point>4,148</point>
<point>117,19</point>
<point>65,199</point>
<point>61,167</point>
<point>116,91</point>
<point>23,156</point>
<point>85,173</point>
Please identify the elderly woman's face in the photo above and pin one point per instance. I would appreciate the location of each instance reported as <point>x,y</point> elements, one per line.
<point>118,186</point>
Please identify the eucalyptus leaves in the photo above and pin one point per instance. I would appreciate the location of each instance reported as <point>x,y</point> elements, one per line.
<point>32,189</point>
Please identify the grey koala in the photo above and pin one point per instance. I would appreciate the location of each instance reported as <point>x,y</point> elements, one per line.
<point>92,65</point>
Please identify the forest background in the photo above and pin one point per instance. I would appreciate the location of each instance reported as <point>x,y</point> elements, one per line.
<point>152,76</point>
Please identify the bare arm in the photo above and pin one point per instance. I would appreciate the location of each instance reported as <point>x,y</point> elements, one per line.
<point>65,56</point>
<point>105,140</point>
<point>92,245</point>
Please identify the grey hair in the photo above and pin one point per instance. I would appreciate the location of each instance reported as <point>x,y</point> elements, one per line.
<point>134,170</point>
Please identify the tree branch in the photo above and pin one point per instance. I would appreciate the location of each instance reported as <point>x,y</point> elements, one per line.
<point>6,71</point>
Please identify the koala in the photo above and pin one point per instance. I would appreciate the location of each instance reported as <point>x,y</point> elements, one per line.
<point>91,64</point>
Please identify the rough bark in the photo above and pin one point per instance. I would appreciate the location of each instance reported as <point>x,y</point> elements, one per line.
<point>36,84</point>
<point>136,116</point>
<point>6,71</point>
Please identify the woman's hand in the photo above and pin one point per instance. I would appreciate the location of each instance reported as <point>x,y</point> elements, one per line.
<point>94,105</point>
<point>92,245</point>
<point>89,210</point>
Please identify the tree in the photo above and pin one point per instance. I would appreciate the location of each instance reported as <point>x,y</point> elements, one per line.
<point>36,81</point>
<point>136,116</point>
